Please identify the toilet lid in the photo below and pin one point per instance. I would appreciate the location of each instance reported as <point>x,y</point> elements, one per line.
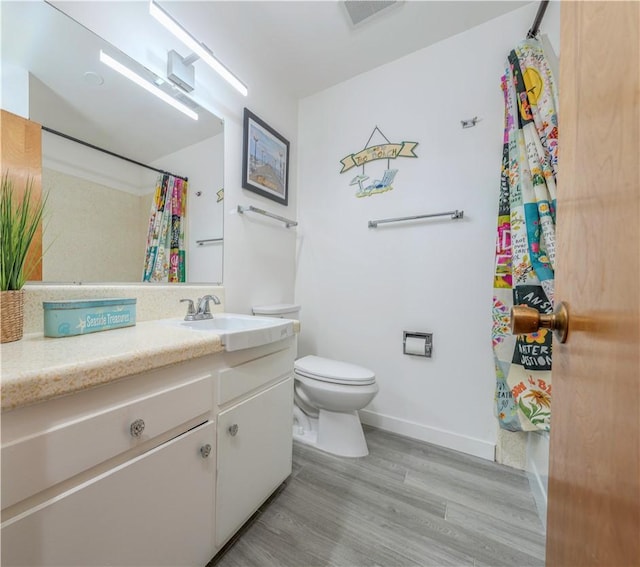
<point>328,370</point>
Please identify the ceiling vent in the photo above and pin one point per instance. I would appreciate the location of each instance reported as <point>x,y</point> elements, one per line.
<point>359,11</point>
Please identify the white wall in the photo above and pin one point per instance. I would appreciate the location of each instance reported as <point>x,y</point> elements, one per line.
<point>259,254</point>
<point>538,470</point>
<point>93,233</point>
<point>360,288</point>
<point>14,90</point>
<point>77,160</point>
<point>94,199</point>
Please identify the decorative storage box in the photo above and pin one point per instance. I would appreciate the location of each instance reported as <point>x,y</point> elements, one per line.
<point>81,316</point>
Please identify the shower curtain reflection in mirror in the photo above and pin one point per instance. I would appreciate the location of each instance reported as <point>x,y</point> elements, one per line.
<point>165,255</point>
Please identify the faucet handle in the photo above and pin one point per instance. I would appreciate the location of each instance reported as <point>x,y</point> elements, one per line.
<point>191,311</point>
<point>203,305</point>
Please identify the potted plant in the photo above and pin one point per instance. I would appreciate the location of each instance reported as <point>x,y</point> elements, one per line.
<point>19,221</point>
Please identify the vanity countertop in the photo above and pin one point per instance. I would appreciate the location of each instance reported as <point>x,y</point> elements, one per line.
<point>37,368</point>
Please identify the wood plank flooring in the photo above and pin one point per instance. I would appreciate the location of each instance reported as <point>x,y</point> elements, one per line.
<point>406,504</point>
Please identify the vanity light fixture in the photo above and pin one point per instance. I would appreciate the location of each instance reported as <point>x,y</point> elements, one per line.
<point>138,80</point>
<point>198,48</point>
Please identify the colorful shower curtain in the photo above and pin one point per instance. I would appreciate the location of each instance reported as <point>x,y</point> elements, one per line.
<point>165,255</point>
<point>525,245</point>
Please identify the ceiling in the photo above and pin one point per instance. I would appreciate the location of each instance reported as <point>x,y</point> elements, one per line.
<point>302,46</point>
<point>308,46</point>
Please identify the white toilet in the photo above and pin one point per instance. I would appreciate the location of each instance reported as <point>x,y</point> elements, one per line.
<point>328,395</point>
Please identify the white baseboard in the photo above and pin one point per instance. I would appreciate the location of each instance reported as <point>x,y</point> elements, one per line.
<point>539,491</point>
<point>455,441</point>
<point>538,471</point>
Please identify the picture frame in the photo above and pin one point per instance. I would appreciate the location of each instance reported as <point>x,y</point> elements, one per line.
<point>265,160</point>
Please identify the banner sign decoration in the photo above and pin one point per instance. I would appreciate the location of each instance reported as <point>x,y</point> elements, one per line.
<point>385,151</point>
<point>369,154</point>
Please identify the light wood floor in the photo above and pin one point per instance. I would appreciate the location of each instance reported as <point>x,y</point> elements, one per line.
<point>407,503</point>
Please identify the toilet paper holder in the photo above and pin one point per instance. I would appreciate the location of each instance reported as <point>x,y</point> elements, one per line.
<point>417,343</point>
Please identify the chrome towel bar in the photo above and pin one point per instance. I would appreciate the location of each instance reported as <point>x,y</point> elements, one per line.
<point>453,214</point>
<point>287,222</point>
<point>205,240</point>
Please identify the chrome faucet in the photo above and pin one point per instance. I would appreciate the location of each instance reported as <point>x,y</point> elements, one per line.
<point>203,306</point>
<point>202,311</point>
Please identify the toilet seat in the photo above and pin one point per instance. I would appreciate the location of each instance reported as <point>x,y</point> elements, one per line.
<point>334,371</point>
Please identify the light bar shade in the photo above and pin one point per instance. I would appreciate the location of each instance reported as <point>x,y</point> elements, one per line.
<point>140,81</point>
<point>194,45</point>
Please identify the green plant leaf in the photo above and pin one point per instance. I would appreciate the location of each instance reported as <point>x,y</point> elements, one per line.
<point>19,221</point>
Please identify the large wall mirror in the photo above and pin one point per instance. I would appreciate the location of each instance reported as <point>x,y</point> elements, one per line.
<point>99,205</point>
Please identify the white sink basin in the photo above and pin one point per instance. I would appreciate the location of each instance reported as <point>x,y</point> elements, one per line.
<point>242,331</point>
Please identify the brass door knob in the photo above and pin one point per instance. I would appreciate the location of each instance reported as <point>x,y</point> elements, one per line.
<point>526,320</point>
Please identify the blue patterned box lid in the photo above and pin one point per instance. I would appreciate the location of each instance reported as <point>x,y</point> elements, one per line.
<point>87,303</point>
<point>73,317</point>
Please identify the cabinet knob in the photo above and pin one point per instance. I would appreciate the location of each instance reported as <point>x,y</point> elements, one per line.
<point>205,450</point>
<point>233,429</point>
<point>137,427</point>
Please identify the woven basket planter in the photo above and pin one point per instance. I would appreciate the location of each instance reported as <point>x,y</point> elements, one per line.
<point>11,315</point>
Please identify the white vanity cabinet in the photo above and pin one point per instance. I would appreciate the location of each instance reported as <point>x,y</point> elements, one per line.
<point>156,469</point>
<point>254,437</point>
<point>118,475</point>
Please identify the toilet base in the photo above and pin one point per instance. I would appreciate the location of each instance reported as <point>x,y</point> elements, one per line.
<point>338,433</point>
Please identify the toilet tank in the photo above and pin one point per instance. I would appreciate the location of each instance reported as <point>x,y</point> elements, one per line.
<point>281,310</point>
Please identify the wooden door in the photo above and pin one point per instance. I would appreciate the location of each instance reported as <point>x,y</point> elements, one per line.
<point>21,158</point>
<point>594,473</point>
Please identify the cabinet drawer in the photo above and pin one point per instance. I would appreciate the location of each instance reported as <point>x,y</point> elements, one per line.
<point>54,450</point>
<point>239,380</point>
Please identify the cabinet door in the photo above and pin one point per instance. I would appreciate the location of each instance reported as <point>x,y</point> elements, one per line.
<point>254,455</point>
<point>156,509</point>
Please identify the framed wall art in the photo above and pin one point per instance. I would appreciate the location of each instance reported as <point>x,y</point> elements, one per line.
<point>265,160</point>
